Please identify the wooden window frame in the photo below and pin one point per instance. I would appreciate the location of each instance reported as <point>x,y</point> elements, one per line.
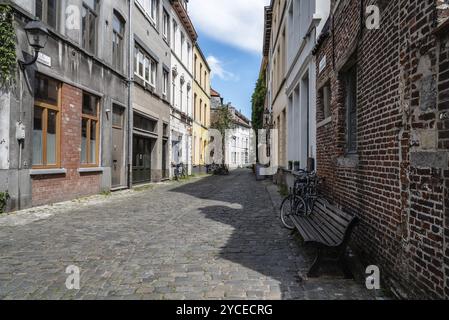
<point>350,102</point>
<point>89,119</point>
<point>118,58</point>
<point>46,106</point>
<point>86,33</point>
<point>45,13</point>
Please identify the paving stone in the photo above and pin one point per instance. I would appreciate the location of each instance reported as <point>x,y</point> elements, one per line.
<point>209,238</point>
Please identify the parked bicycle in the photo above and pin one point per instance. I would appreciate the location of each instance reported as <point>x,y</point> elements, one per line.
<point>180,171</point>
<point>302,198</point>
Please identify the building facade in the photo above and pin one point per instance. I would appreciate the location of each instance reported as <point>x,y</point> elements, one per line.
<point>276,52</point>
<point>201,110</point>
<point>383,136</point>
<point>64,115</point>
<point>151,90</point>
<point>238,145</point>
<point>305,20</point>
<point>183,38</point>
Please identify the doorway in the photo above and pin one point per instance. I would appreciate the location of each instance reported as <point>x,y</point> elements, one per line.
<point>118,121</point>
<point>142,150</point>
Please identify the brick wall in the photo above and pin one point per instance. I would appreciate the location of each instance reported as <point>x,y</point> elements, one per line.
<point>396,182</point>
<point>48,188</point>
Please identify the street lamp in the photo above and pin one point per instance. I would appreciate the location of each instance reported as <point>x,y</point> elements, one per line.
<point>37,35</point>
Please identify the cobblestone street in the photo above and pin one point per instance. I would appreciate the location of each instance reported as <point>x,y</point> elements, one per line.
<point>209,238</point>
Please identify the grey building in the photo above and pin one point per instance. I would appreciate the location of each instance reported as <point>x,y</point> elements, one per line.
<point>71,104</point>
<point>151,90</point>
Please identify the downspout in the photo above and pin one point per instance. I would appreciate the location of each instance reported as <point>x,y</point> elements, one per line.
<point>130,86</point>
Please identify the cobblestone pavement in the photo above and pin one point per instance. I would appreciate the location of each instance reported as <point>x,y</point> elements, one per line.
<point>210,238</point>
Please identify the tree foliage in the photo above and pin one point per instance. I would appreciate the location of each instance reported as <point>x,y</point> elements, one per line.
<point>7,47</point>
<point>223,121</point>
<point>258,103</point>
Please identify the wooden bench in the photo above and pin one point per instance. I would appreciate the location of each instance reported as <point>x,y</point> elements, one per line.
<point>329,230</point>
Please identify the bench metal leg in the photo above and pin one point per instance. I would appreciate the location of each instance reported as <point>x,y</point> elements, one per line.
<point>314,269</point>
<point>344,265</point>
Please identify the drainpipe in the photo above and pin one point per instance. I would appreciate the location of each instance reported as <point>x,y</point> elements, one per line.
<point>130,87</point>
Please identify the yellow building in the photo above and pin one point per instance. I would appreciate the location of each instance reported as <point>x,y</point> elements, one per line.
<point>201,109</point>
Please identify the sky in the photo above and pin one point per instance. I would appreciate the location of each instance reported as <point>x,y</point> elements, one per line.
<point>231,38</point>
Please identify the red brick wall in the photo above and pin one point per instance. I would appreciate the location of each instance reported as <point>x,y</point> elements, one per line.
<point>400,202</point>
<point>49,189</point>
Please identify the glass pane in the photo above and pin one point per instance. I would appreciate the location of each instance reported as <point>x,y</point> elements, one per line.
<point>93,142</point>
<point>85,21</point>
<point>39,9</point>
<point>51,13</point>
<point>92,31</point>
<point>46,90</point>
<point>117,117</point>
<point>84,141</point>
<point>51,137</point>
<point>37,136</point>
<point>147,70</point>
<point>90,104</point>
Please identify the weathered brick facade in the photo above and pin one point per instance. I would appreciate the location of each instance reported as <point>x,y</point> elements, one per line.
<point>397,181</point>
<point>54,188</point>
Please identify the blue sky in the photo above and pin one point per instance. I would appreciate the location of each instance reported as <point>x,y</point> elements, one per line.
<point>231,36</point>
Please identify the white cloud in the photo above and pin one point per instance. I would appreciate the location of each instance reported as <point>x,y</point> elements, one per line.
<point>217,69</point>
<point>235,22</point>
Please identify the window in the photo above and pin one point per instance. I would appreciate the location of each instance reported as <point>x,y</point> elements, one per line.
<point>46,123</point>
<point>145,67</point>
<point>165,83</point>
<point>350,80</point>
<point>118,117</point>
<point>175,32</point>
<point>89,25</point>
<point>150,7</point>
<point>144,124</point>
<point>46,11</point>
<point>183,40</point>
<point>195,114</point>
<point>90,130</point>
<point>165,25</point>
<point>201,72</point>
<point>201,111</point>
<point>118,30</point>
<point>189,53</point>
<point>325,97</point>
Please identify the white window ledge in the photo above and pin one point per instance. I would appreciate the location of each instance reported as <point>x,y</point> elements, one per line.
<point>89,170</point>
<point>39,172</point>
<point>324,122</point>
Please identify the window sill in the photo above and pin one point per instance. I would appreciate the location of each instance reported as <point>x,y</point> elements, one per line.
<point>46,172</point>
<point>348,161</point>
<point>90,170</point>
<point>324,122</point>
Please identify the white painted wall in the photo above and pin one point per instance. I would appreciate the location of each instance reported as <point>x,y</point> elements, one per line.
<point>4,130</point>
<point>182,100</point>
<point>305,19</point>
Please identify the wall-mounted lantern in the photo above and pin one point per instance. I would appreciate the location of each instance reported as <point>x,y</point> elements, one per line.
<point>37,35</point>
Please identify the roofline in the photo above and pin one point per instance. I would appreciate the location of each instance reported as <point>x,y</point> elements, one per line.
<point>197,46</point>
<point>183,15</point>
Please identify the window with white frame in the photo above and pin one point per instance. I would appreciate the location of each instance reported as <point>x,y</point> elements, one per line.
<point>145,67</point>
<point>183,40</point>
<point>165,82</point>
<point>165,25</point>
<point>150,7</point>
<point>175,31</point>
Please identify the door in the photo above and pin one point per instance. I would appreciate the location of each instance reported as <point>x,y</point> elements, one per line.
<point>117,146</point>
<point>141,159</point>
<point>164,159</point>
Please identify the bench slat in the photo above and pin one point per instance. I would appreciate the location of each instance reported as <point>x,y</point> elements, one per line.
<point>304,234</point>
<point>338,231</point>
<point>346,216</point>
<point>338,225</point>
<point>334,237</point>
<point>315,230</point>
<point>344,221</point>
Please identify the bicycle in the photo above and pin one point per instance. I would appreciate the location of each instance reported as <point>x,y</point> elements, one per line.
<point>301,200</point>
<point>180,171</point>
